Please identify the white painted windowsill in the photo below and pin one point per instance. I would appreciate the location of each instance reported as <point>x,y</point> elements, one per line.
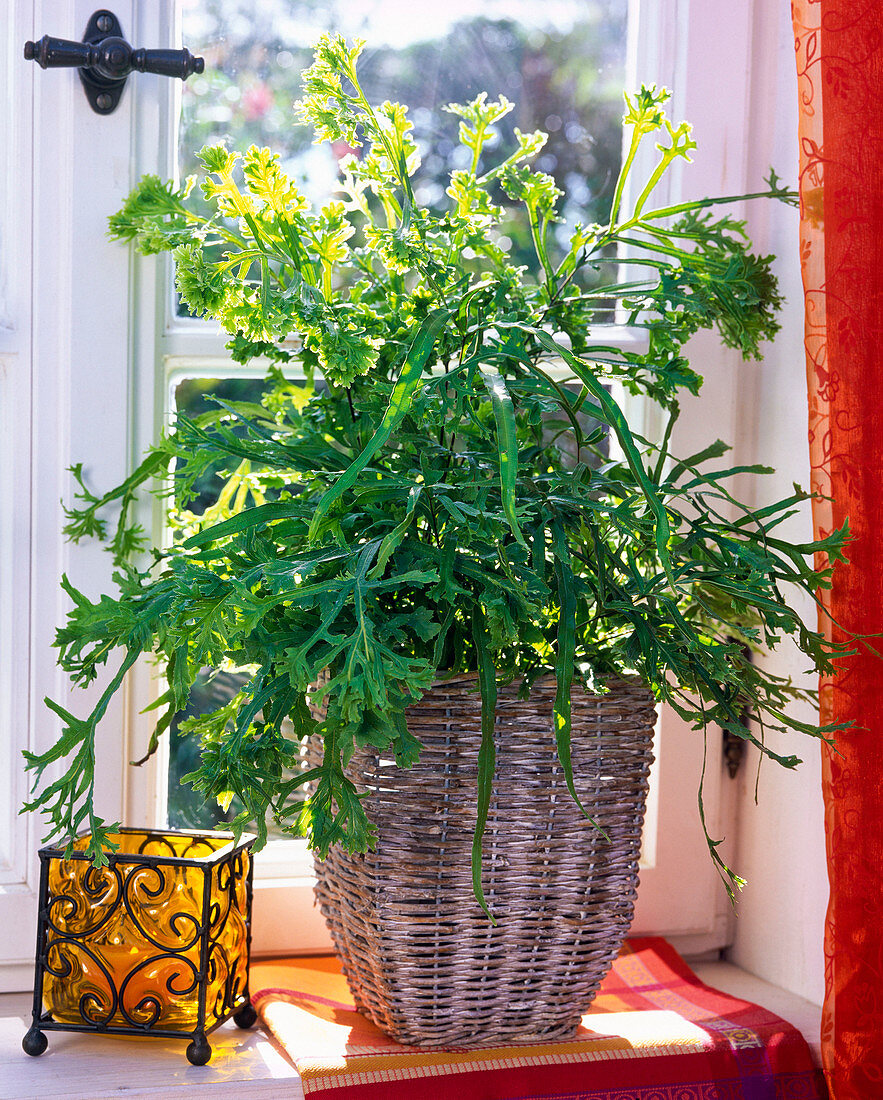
<point>244,1064</point>
<point>86,1067</point>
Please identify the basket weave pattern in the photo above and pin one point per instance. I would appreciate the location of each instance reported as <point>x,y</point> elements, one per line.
<point>422,960</point>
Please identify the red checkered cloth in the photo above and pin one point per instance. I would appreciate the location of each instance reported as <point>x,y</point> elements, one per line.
<point>654,1032</point>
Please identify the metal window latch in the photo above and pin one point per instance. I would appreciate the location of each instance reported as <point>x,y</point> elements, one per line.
<point>105,60</point>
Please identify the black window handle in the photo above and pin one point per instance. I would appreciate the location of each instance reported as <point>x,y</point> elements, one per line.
<point>105,60</point>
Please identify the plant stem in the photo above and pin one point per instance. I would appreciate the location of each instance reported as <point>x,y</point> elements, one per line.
<point>537,235</point>
<point>623,176</point>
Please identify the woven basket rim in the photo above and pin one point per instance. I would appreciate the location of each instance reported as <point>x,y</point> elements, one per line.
<point>607,681</point>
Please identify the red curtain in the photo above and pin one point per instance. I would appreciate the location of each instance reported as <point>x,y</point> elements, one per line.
<point>839,46</point>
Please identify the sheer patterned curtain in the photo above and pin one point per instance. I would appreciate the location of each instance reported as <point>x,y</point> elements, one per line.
<point>839,46</point>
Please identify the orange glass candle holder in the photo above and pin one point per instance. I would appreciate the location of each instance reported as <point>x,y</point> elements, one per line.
<point>154,943</point>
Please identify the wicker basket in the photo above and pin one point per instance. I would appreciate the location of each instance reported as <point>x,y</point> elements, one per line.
<point>422,960</point>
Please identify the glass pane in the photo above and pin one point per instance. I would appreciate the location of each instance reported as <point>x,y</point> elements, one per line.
<point>561,62</point>
<point>187,809</point>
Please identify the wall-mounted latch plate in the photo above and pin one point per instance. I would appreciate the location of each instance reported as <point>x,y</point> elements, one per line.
<point>104,93</point>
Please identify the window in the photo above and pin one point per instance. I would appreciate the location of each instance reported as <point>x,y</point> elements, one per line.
<point>562,65</point>
<point>92,357</point>
<point>565,66</point>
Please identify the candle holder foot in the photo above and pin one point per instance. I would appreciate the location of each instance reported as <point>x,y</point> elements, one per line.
<point>199,1051</point>
<point>34,1042</point>
<point>246,1017</point>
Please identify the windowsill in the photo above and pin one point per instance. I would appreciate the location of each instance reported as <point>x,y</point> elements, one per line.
<point>247,1063</point>
<point>244,1064</point>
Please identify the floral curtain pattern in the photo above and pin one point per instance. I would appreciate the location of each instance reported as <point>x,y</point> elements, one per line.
<point>839,50</point>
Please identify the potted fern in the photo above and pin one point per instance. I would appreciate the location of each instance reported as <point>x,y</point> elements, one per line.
<point>437,515</point>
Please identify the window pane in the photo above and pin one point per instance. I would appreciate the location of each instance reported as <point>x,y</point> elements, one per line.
<point>214,688</point>
<point>562,63</point>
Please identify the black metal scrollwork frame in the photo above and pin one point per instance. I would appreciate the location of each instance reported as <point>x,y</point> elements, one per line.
<point>114,893</point>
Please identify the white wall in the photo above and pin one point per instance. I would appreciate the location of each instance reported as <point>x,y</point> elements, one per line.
<point>777,845</point>
<point>734,78</point>
<point>780,848</point>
